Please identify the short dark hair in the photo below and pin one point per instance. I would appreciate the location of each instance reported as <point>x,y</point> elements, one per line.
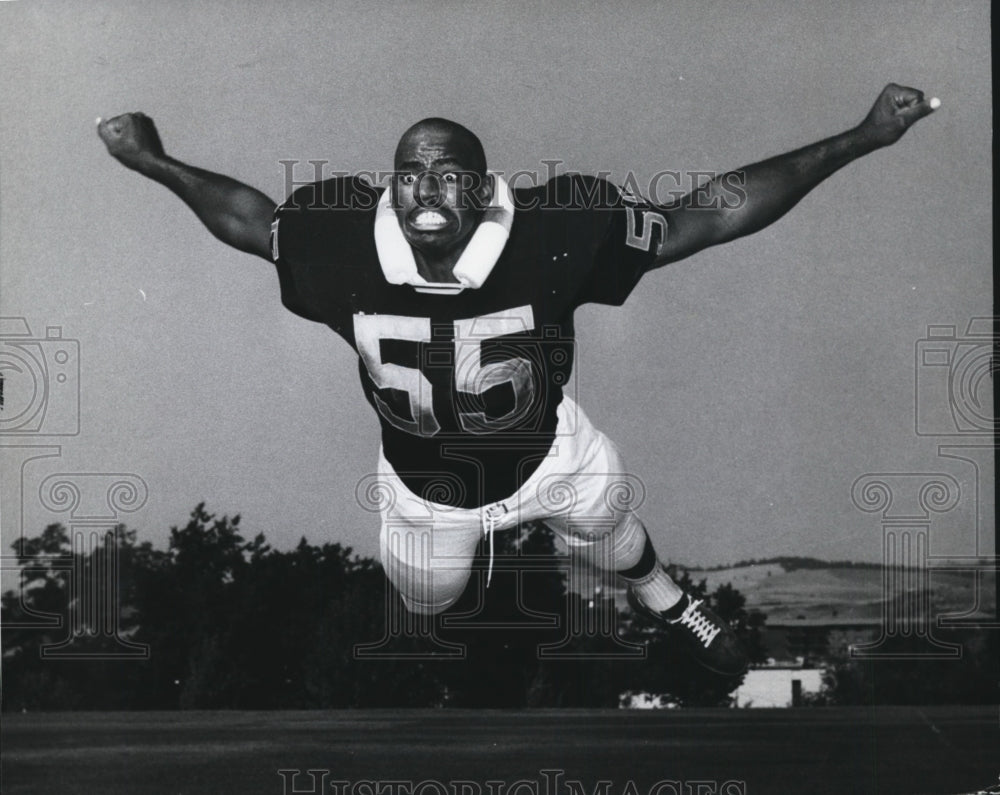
<point>468,138</point>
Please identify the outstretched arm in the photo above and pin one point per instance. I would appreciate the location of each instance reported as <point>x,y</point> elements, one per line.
<point>237,214</point>
<point>748,199</point>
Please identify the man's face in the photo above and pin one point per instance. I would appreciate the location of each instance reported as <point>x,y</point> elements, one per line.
<point>439,197</point>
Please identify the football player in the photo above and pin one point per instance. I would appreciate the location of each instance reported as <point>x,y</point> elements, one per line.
<point>457,292</point>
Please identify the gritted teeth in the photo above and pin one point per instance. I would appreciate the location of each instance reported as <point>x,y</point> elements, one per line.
<point>429,219</point>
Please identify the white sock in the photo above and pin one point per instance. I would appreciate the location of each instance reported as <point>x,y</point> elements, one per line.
<point>656,590</point>
<point>632,553</point>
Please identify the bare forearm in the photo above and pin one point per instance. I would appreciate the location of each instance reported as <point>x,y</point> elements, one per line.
<point>229,209</point>
<point>746,200</point>
<point>752,197</point>
<point>237,214</point>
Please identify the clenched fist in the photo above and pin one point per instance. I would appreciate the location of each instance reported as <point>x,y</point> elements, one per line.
<point>896,110</point>
<point>132,139</point>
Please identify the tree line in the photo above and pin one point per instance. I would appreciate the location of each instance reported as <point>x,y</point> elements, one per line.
<point>219,621</point>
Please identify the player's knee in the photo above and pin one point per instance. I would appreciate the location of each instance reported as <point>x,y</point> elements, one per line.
<point>628,541</point>
<point>434,595</point>
<point>425,608</point>
<point>426,591</point>
<point>615,545</point>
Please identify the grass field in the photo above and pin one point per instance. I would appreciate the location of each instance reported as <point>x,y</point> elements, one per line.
<point>662,752</point>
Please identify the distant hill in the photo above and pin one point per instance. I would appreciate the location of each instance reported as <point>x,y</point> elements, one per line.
<point>793,562</point>
<point>807,591</point>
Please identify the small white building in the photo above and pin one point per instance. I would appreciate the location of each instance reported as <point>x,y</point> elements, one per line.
<point>776,686</point>
<point>771,686</point>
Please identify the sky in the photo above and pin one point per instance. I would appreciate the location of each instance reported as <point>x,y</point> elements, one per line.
<point>749,386</point>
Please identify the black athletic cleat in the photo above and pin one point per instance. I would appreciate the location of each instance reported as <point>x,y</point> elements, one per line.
<point>708,638</point>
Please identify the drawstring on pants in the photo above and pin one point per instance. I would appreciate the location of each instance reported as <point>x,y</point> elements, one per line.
<point>492,514</point>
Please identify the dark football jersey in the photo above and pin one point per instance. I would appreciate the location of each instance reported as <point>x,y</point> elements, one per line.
<point>466,385</point>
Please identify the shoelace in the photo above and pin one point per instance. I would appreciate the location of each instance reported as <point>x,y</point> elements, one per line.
<point>492,515</point>
<point>698,623</point>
